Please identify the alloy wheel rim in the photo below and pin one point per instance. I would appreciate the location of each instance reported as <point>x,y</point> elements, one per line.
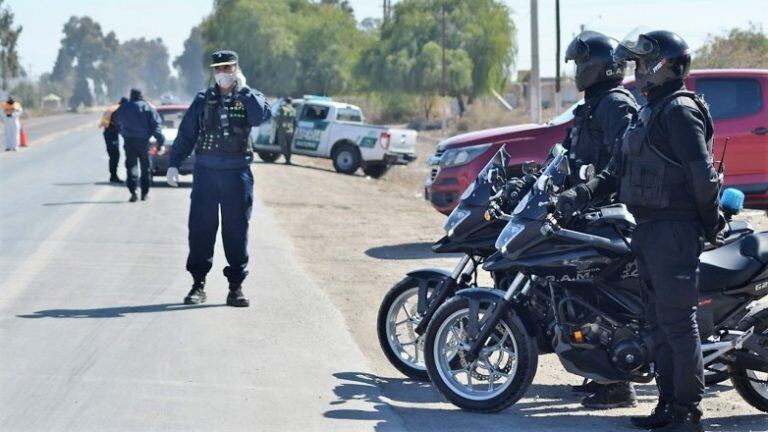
<point>402,319</point>
<point>481,378</point>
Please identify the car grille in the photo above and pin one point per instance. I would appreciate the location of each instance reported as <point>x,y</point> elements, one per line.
<point>436,168</point>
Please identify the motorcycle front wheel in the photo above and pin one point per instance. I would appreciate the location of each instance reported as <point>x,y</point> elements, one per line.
<point>397,319</point>
<point>503,370</point>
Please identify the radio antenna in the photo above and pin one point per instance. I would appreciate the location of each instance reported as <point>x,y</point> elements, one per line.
<point>722,158</point>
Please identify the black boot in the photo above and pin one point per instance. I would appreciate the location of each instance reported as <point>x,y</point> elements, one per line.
<point>144,196</point>
<point>617,395</point>
<point>686,419</point>
<point>196,294</point>
<point>133,197</point>
<point>589,387</point>
<point>661,416</point>
<point>236,297</point>
<point>115,179</point>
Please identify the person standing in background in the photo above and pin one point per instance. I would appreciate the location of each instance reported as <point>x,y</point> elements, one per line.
<point>137,121</point>
<point>11,112</point>
<point>112,139</point>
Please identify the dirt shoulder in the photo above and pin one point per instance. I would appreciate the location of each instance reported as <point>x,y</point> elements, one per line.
<point>357,236</point>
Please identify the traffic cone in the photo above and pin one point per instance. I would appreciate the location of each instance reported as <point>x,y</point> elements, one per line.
<point>23,137</point>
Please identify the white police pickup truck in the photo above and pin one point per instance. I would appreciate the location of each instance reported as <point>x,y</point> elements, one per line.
<point>336,131</point>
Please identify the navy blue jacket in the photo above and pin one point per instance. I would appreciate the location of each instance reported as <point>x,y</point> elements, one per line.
<point>138,121</point>
<point>257,112</point>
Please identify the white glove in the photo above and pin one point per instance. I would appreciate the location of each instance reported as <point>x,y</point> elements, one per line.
<point>172,176</point>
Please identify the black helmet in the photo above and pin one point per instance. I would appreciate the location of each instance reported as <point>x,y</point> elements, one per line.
<point>593,54</point>
<point>660,57</point>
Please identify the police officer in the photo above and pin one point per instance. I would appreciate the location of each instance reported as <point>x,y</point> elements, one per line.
<point>216,126</point>
<point>286,118</point>
<point>137,121</point>
<point>665,174</point>
<point>598,127</point>
<point>112,139</point>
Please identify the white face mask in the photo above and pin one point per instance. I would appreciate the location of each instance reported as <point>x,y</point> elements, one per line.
<point>224,80</point>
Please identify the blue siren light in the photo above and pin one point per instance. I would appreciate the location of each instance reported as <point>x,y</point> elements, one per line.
<point>732,200</point>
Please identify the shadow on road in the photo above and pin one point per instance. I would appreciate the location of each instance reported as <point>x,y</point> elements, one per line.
<point>115,312</point>
<point>554,408</point>
<point>83,202</point>
<point>406,251</point>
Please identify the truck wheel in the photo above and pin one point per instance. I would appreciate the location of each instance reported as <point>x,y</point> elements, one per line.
<point>268,156</point>
<point>376,169</point>
<point>346,159</point>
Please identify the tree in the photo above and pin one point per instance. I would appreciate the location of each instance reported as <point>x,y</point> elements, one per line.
<point>26,92</point>
<point>479,49</point>
<point>290,47</point>
<point>738,48</point>
<point>79,62</point>
<point>9,37</point>
<point>140,63</point>
<point>191,63</point>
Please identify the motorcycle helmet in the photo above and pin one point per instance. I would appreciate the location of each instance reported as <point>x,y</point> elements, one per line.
<point>593,54</point>
<point>660,56</point>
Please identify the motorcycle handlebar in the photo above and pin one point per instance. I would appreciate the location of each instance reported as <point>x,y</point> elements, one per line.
<point>618,247</point>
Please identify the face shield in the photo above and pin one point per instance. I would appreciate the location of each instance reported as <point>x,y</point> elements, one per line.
<point>638,48</point>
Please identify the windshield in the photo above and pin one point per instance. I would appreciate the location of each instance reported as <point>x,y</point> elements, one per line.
<point>565,116</point>
<point>555,172</point>
<point>479,192</point>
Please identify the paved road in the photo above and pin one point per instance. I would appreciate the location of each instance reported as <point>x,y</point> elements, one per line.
<point>92,331</point>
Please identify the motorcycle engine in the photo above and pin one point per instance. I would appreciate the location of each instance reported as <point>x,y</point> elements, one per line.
<point>628,352</point>
<point>625,348</point>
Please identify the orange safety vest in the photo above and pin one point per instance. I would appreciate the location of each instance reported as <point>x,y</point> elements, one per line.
<point>106,119</point>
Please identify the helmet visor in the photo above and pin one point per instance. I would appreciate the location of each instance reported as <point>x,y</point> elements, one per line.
<point>638,44</point>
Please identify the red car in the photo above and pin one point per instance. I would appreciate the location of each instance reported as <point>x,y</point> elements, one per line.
<point>738,100</point>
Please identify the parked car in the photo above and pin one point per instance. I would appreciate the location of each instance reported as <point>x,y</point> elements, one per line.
<point>738,100</point>
<point>171,116</point>
<point>336,131</point>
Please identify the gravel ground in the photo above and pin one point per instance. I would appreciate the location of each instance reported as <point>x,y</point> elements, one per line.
<point>357,236</point>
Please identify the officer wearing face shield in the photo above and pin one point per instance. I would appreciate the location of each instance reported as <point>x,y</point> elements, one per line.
<point>664,173</point>
<point>598,127</point>
<point>216,126</point>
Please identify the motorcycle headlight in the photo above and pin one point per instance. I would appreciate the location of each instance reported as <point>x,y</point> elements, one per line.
<point>461,156</point>
<point>456,217</point>
<point>507,235</point>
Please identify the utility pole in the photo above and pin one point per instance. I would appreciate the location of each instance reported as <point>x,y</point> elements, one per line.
<point>442,67</point>
<point>387,8</point>
<point>558,102</point>
<point>534,84</point>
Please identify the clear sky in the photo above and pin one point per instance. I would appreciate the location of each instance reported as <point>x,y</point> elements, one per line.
<point>171,20</point>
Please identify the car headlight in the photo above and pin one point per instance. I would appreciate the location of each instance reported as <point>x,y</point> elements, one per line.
<point>456,217</point>
<point>462,156</point>
<point>507,235</point>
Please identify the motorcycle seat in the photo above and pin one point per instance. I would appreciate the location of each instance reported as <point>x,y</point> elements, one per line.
<point>734,264</point>
<point>756,246</point>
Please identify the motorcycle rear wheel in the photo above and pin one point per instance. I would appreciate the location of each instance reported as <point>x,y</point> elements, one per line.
<point>745,381</point>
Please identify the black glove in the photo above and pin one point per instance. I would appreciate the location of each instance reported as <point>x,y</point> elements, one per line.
<point>573,199</point>
<point>714,234</point>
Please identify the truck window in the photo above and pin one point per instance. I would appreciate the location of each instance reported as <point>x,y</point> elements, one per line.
<point>314,112</point>
<point>349,115</point>
<point>731,97</point>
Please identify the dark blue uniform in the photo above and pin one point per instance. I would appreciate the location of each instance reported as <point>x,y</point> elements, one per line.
<point>138,121</point>
<point>217,127</point>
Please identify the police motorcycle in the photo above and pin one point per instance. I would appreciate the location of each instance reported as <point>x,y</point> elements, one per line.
<point>409,305</point>
<point>572,281</point>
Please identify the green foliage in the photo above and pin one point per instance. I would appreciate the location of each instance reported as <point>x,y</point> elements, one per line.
<point>9,37</point>
<point>191,63</point>
<point>479,49</point>
<point>287,47</point>
<point>140,63</point>
<point>27,94</point>
<point>738,48</point>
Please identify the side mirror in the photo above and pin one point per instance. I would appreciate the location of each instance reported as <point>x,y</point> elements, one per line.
<point>555,150</point>
<point>587,172</point>
<point>531,167</point>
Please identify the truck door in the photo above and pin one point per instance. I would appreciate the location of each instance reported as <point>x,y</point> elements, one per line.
<point>310,129</point>
<point>738,108</point>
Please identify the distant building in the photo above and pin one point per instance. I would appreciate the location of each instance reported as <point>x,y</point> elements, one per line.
<point>568,92</point>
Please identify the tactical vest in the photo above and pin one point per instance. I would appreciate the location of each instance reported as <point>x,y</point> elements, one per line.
<point>649,178</point>
<point>224,127</point>
<point>583,149</point>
